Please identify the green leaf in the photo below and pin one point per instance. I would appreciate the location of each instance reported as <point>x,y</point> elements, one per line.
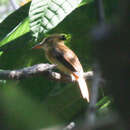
<point>21,29</point>
<point>13,20</point>
<point>103,101</point>
<point>84,2</point>
<point>19,42</point>
<point>45,15</point>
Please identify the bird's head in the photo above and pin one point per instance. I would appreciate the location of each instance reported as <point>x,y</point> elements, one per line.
<point>52,40</point>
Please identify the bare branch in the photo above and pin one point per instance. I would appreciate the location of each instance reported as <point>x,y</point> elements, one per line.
<point>39,69</point>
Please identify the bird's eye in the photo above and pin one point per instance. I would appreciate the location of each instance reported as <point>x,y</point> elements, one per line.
<point>63,37</point>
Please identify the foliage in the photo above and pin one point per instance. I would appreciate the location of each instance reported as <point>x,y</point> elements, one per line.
<point>30,102</point>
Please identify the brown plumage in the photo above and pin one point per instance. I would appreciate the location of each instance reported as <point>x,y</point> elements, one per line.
<point>65,59</point>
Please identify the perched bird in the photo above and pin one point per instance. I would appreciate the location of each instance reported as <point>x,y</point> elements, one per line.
<point>65,59</point>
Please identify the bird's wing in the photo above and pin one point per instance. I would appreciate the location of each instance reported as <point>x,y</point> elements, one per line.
<point>68,58</point>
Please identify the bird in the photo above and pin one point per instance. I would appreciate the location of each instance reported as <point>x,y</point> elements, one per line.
<point>65,59</point>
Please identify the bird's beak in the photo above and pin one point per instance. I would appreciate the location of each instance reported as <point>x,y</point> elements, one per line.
<point>38,46</point>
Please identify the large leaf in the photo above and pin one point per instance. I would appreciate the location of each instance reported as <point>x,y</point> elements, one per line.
<point>45,15</point>
<point>20,30</point>
<point>18,43</point>
<point>13,20</point>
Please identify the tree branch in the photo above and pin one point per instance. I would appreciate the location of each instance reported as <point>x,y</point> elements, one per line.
<point>39,69</point>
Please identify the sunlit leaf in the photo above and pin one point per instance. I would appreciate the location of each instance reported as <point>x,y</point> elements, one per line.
<point>13,20</point>
<point>21,29</point>
<point>45,15</point>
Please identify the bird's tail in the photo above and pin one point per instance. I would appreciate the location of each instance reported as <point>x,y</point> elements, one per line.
<point>83,87</point>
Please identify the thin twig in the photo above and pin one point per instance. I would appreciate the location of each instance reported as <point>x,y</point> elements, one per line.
<point>39,69</point>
